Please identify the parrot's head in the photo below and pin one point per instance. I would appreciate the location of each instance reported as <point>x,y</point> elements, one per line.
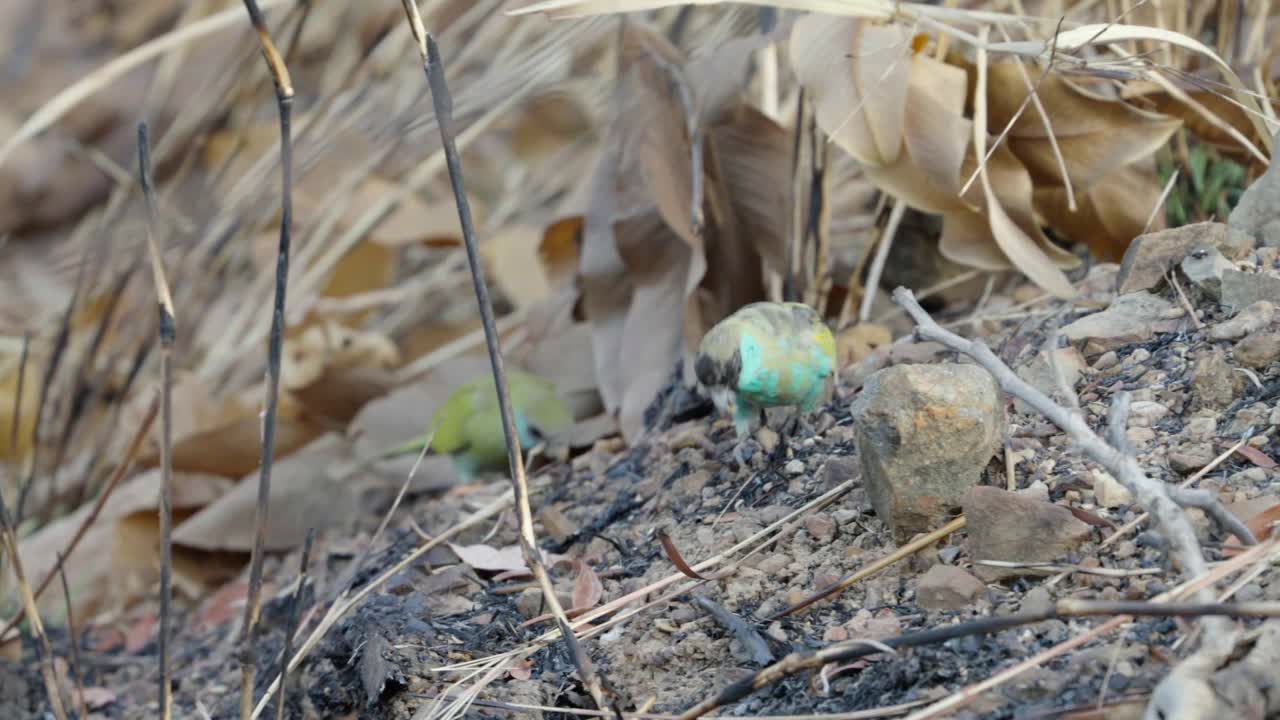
<point>718,367</point>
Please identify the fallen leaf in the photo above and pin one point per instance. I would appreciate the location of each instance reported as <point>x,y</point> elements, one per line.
<point>1261,525</point>
<point>587,588</point>
<point>96,698</point>
<point>303,496</point>
<point>491,559</point>
<point>1256,456</point>
<point>512,257</point>
<point>522,670</point>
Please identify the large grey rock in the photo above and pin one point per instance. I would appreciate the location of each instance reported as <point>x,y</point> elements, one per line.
<point>1258,212</point>
<point>1150,256</point>
<point>1242,289</point>
<point>1008,527</point>
<point>1204,267</point>
<point>1130,318</point>
<point>924,434</point>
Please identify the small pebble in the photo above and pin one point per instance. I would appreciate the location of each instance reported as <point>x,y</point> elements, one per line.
<point>794,467</point>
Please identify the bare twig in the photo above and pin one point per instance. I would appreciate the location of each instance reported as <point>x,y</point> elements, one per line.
<point>442,102</point>
<point>10,540</point>
<point>878,261</point>
<point>284,104</point>
<point>1124,611</point>
<point>168,333</point>
<point>1152,494</point>
<point>295,607</point>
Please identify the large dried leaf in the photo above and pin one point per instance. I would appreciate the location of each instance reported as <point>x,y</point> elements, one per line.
<point>752,153</point>
<point>1108,33</point>
<point>1008,182</point>
<point>1109,215</point>
<point>1096,135</point>
<point>234,447</point>
<point>845,63</point>
<point>89,568</point>
<point>303,496</point>
<point>511,257</point>
<point>873,9</point>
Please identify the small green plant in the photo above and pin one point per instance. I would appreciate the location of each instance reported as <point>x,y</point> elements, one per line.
<point>1208,186</point>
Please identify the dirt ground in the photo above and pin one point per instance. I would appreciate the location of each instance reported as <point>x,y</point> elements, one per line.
<point>424,632</point>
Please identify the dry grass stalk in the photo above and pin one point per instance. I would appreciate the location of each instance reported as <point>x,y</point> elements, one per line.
<point>168,333</point>
<point>284,103</point>
<point>442,102</point>
<point>10,540</point>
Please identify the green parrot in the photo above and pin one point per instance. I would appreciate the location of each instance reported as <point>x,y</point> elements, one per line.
<point>468,426</point>
<point>766,354</point>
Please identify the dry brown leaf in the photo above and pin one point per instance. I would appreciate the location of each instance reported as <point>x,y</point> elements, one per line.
<point>491,559</point>
<point>331,347</point>
<point>1261,525</point>
<point>303,496</point>
<point>1109,215</point>
<point>234,446</point>
<point>559,250</point>
<point>106,547</point>
<point>651,282</point>
<point>549,121</point>
<point>994,224</point>
<point>1097,135</point>
<point>844,63</point>
<point>587,588</point>
<point>511,256</point>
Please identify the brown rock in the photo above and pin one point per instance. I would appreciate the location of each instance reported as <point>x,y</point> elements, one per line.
<point>925,433</point>
<point>947,587</point>
<point>1241,289</point>
<point>1257,350</point>
<point>1191,457</point>
<point>1253,318</point>
<point>1214,383</point>
<point>839,469</point>
<point>1008,527</point>
<point>820,527</point>
<point>1150,256</point>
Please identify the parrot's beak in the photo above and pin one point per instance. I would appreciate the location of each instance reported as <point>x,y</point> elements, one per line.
<point>725,399</point>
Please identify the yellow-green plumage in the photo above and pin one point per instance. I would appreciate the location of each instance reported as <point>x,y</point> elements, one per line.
<point>469,424</point>
<point>766,355</point>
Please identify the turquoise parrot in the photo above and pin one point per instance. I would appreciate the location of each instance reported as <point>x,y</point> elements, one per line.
<point>469,425</point>
<point>765,355</point>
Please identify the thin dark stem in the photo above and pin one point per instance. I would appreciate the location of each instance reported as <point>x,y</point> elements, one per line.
<point>442,103</point>
<point>17,396</point>
<point>73,645</point>
<point>167,334</point>
<point>253,604</point>
<point>295,611</point>
<point>854,649</point>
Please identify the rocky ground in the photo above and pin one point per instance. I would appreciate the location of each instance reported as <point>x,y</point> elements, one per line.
<point>916,437</point>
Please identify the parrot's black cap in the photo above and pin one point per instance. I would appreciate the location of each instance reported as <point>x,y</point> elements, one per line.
<point>713,373</point>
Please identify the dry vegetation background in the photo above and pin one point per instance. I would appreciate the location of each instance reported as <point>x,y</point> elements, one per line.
<point>635,177</point>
